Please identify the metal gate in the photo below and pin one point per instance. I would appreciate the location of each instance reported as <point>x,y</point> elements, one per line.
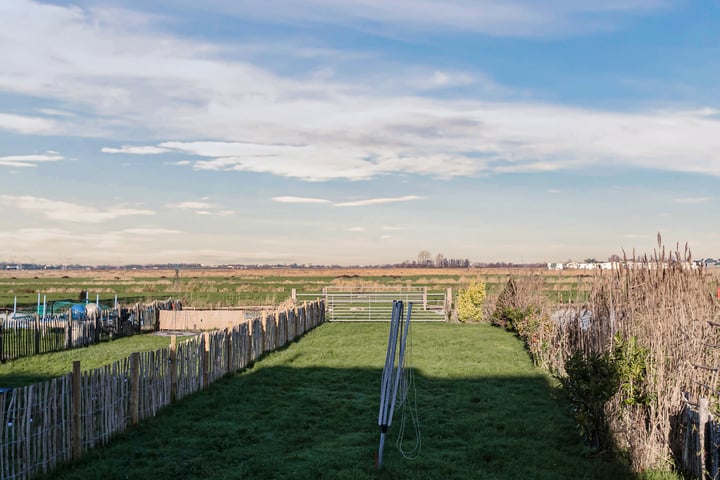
<point>353,304</point>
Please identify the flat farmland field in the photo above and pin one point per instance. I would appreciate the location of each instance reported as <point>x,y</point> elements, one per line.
<point>217,288</point>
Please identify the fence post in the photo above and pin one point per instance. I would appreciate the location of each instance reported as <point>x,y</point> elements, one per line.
<point>448,304</point>
<point>703,418</point>
<point>76,405</point>
<point>206,359</point>
<point>37,334</point>
<point>293,295</point>
<point>249,344</point>
<point>228,348</point>
<point>173,368</point>
<point>134,388</point>
<point>424,298</point>
<point>2,347</point>
<point>68,328</point>
<point>305,317</point>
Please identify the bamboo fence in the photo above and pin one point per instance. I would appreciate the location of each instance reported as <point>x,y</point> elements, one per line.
<point>49,423</point>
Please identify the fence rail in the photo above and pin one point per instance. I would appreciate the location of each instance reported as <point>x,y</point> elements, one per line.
<point>46,424</point>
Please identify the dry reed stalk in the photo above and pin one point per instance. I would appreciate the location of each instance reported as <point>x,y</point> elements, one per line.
<point>666,306</point>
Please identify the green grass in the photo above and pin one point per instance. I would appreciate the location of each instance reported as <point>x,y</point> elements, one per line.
<point>310,411</point>
<point>37,368</point>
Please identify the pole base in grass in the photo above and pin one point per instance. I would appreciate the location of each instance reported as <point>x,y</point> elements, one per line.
<point>378,460</point>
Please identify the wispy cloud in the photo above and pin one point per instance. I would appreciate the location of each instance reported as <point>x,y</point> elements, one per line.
<point>290,199</point>
<point>354,203</point>
<point>125,81</point>
<point>377,201</point>
<point>692,200</point>
<point>150,231</point>
<point>70,212</point>
<point>201,208</point>
<point>355,229</point>
<point>141,150</point>
<point>514,18</point>
<point>191,205</point>
<point>25,161</point>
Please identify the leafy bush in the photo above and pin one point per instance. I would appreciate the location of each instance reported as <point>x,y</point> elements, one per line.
<point>591,381</point>
<point>470,302</point>
<point>631,363</point>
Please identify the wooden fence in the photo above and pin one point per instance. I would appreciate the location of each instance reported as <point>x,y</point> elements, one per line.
<point>30,334</point>
<point>49,423</point>
<point>36,335</point>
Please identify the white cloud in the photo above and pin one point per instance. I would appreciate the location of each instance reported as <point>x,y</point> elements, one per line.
<point>70,212</point>
<point>141,150</point>
<point>191,205</point>
<point>129,81</point>
<point>217,213</point>
<point>51,112</point>
<point>27,125</point>
<point>29,160</point>
<point>377,201</point>
<point>355,229</point>
<point>289,199</point>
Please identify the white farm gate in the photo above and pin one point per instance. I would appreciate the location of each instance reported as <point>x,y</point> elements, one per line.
<point>354,304</point>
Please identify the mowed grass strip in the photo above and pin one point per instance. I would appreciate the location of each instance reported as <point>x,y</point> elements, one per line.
<point>310,411</point>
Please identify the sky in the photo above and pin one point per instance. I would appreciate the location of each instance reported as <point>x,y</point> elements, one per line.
<point>357,131</point>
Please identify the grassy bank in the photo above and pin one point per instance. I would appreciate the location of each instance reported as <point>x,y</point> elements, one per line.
<point>310,411</point>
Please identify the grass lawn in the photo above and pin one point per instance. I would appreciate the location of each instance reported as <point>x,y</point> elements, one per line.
<point>310,411</point>
<point>38,368</point>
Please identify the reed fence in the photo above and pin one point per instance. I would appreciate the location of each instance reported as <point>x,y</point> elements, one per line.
<point>49,423</point>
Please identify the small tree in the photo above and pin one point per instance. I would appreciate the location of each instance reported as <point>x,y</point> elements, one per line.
<point>470,302</point>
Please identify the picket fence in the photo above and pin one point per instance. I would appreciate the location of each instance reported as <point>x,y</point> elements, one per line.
<point>49,423</point>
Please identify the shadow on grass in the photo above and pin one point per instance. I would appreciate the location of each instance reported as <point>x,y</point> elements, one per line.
<point>318,422</point>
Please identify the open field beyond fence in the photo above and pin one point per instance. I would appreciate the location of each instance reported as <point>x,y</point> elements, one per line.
<point>215,288</point>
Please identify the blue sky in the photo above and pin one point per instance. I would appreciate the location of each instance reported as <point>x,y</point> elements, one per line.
<point>356,131</point>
